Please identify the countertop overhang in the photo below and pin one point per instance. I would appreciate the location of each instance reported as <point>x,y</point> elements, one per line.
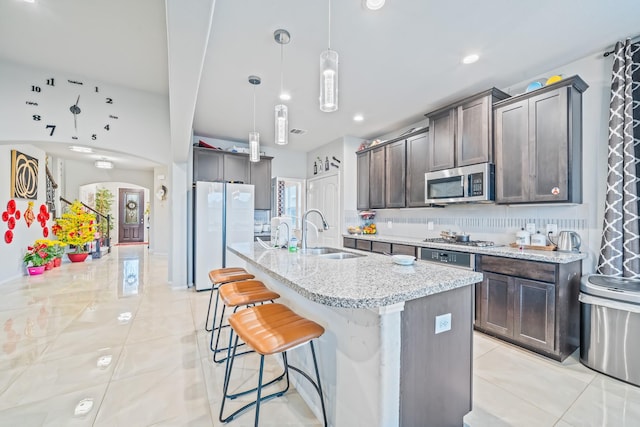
<point>369,281</point>
<point>501,251</point>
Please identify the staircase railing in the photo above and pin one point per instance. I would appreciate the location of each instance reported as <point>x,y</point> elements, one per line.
<point>99,217</point>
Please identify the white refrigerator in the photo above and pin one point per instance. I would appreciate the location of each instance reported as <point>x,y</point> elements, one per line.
<point>223,216</point>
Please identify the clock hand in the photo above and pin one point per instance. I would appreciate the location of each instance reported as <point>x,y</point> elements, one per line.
<point>75,110</point>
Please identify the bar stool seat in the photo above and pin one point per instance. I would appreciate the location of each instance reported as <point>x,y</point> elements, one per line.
<point>270,329</point>
<point>235,295</point>
<point>218,277</point>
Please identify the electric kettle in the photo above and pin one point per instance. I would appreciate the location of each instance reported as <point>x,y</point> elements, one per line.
<point>568,241</point>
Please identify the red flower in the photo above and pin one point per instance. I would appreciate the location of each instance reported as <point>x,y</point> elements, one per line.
<point>42,254</point>
<point>29,248</point>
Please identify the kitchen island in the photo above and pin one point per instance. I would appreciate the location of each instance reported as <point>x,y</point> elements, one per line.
<point>381,362</point>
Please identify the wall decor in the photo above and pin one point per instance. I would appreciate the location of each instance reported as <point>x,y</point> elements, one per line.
<point>28,215</point>
<point>24,176</point>
<point>10,216</point>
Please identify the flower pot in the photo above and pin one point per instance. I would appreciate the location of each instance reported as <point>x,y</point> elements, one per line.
<point>77,257</point>
<point>49,265</point>
<point>57,262</point>
<point>34,271</point>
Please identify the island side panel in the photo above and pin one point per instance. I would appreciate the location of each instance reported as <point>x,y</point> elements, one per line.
<point>356,383</point>
<point>436,369</point>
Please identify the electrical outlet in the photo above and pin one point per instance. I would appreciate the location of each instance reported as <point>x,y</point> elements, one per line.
<point>552,228</point>
<point>531,227</point>
<point>430,225</point>
<point>389,224</point>
<point>443,323</point>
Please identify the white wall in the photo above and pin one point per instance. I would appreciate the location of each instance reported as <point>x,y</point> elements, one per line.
<point>160,213</point>
<point>11,264</point>
<point>141,129</point>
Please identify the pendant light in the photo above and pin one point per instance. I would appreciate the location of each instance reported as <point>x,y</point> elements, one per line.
<point>329,76</point>
<point>282,37</point>
<point>254,137</point>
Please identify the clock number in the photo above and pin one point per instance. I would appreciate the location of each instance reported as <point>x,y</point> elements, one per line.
<point>36,89</point>
<point>109,100</point>
<point>94,137</point>
<point>106,127</point>
<point>97,89</point>
<point>36,117</point>
<point>50,82</point>
<point>52,127</point>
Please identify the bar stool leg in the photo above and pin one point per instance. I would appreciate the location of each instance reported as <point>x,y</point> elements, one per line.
<point>206,322</point>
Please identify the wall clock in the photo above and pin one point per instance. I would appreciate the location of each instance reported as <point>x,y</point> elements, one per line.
<point>70,109</point>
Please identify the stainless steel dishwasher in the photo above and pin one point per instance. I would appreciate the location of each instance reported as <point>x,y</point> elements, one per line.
<point>610,326</point>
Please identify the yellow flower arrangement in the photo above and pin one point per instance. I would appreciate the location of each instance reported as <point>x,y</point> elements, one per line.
<point>76,227</point>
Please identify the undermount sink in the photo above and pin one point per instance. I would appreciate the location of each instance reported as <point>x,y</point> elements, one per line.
<point>320,251</point>
<point>330,253</point>
<point>340,255</point>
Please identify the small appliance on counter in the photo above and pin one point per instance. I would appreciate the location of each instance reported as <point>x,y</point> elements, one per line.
<point>281,230</point>
<point>568,241</point>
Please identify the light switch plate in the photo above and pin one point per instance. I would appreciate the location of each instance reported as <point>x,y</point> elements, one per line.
<point>430,225</point>
<point>443,323</point>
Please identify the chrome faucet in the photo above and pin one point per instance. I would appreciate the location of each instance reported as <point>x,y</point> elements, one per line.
<point>303,245</point>
<point>278,232</point>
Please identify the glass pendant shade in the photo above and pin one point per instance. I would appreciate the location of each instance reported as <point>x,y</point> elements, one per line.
<point>282,124</point>
<point>254,146</point>
<point>329,81</point>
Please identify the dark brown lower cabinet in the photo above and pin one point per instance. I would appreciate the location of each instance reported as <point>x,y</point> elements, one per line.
<point>532,304</point>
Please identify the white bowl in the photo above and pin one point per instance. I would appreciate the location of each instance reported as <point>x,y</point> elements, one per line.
<point>403,259</point>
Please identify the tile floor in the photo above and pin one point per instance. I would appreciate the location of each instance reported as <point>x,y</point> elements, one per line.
<point>110,343</point>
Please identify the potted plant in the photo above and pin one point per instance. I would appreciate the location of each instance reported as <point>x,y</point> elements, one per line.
<point>54,249</point>
<point>35,258</point>
<point>76,227</point>
<point>103,202</point>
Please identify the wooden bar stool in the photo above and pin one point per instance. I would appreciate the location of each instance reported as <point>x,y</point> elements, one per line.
<point>243,293</point>
<point>270,329</point>
<point>218,277</point>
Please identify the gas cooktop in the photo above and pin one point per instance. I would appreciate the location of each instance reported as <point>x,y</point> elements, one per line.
<point>477,243</point>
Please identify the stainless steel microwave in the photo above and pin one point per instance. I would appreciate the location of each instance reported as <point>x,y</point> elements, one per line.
<point>474,183</point>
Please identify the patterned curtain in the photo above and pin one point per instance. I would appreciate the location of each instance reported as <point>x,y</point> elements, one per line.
<point>620,248</point>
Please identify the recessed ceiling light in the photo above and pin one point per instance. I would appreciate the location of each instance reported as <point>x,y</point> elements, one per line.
<point>358,118</point>
<point>29,1</point>
<point>79,149</point>
<point>470,59</point>
<point>374,4</point>
<point>285,96</point>
<point>103,164</point>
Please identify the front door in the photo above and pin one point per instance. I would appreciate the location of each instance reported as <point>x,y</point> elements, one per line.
<point>131,217</point>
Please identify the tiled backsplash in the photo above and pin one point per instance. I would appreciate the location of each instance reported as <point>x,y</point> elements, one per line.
<point>485,224</point>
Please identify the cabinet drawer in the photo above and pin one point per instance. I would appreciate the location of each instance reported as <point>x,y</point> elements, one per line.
<point>364,245</point>
<point>380,247</point>
<point>519,268</point>
<point>348,242</point>
<point>398,249</point>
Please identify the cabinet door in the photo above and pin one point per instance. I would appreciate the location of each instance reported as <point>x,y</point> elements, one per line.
<point>497,304</point>
<point>441,141</point>
<point>549,149</point>
<point>534,313</point>
<point>395,174</point>
<point>377,178</point>
<point>260,177</point>
<point>207,165</point>
<point>473,139</point>
<point>417,154</point>
<point>236,168</point>
<point>512,153</point>
<point>363,180</point>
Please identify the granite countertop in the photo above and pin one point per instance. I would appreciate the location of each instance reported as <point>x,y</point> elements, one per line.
<point>501,251</point>
<point>370,281</point>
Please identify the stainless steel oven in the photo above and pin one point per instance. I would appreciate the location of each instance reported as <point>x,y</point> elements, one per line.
<point>474,183</point>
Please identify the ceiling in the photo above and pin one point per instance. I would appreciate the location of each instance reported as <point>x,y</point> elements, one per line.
<point>395,64</point>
